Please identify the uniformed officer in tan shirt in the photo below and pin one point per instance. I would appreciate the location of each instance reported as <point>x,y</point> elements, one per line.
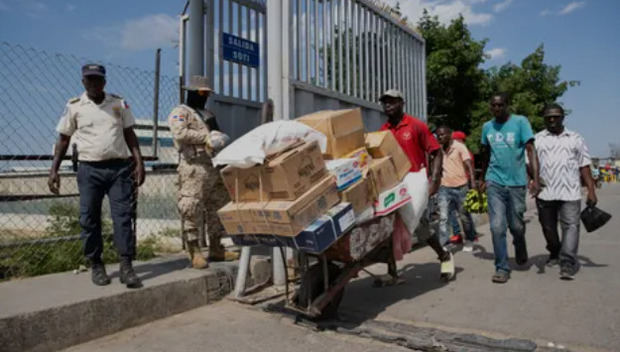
<point>101,124</point>
<point>201,189</point>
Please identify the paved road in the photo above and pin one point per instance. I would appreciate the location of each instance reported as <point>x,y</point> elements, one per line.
<point>228,326</point>
<point>535,304</point>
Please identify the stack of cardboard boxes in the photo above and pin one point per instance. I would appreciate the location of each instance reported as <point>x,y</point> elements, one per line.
<point>294,192</point>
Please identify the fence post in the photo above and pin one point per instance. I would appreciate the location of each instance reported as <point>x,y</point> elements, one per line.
<point>156,102</point>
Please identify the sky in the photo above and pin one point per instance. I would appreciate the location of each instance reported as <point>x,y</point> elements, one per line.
<point>581,36</point>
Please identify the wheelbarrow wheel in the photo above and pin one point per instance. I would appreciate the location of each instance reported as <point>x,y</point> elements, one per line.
<point>312,286</point>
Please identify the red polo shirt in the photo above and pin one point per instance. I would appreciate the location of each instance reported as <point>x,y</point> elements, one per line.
<point>415,138</point>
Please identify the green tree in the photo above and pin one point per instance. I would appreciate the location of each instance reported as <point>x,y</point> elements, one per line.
<point>454,78</point>
<point>531,86</point>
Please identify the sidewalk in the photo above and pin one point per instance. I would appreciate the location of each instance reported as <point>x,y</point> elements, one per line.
<point>60,310</point>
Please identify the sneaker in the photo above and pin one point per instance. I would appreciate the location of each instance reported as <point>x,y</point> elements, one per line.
<point>567,273</point>
<point>448,270</point>
<point>468,246</point>
<point>551,262</point>
<point>500,277</point>
<point>456,239</point>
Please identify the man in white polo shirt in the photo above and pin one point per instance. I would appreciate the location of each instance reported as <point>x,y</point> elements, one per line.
<point>564,161</point>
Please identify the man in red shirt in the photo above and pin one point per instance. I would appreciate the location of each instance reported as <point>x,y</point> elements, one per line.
<point>418,143</point>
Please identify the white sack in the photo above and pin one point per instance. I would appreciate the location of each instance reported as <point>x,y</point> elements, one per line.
<point>417,182</point>
<point>252,148</point>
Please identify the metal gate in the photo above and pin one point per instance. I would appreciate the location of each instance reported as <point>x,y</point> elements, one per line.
<point>347,52</point>
<point>239,86</point>
<point>321,54</point>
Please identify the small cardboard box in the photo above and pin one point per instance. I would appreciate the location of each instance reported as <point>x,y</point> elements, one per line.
<point>344,130</point>
<point>382,175</point>
<point>285,176</point>
<point>362,156</point>
<point>326,230</point>
<point>381,144</point>
<point>360,196</point>
<point>392,199</point>
<point>346,171</point>
<point>288,218</point>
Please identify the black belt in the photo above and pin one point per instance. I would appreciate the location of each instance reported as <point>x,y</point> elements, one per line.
<point>108,162</point>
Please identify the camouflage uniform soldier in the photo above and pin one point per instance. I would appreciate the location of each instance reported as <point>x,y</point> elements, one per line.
<point>201,190</point>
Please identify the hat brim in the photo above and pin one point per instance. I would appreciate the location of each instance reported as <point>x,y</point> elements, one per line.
<point>198,88</point>
<point>383,97</point>
<point>93,73</point>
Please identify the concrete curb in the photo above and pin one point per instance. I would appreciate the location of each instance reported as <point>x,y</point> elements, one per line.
<point>66,324</point>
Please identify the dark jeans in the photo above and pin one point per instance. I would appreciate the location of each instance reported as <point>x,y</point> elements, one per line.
<point>506,208</point>
<point>568,213</point>
<point>95,180</point>
<point>450,197</point>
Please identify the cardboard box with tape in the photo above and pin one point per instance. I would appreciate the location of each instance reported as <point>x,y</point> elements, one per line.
<point>285,176</point>
<point>344,130</point>
<point>360,196</point>
<point>285,218</point>
<point>382,175</point>
<point>383,144</point>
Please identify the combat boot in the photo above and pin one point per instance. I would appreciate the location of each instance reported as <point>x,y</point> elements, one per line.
<point>128,275</point>
<point>197,259</point>
<point>222,255</point>
<point>98,274</point>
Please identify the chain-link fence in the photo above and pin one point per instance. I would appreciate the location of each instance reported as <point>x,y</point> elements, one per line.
<point>39,232</point>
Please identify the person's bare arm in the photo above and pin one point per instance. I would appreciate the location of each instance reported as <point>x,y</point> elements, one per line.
<point>485,154</point>
<point>134,147</point>
<point>588,180</point>
<point>469,168</point>
<point>436,166</point>
<point>62,144</point>
<point>533,157</point>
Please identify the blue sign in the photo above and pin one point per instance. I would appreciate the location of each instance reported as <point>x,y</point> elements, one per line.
<point>239,50</point>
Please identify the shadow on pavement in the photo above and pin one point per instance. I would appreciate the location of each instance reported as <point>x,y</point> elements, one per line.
<point>151,270</point>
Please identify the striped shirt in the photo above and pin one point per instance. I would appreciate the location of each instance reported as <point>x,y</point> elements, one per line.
<point>561,156</point>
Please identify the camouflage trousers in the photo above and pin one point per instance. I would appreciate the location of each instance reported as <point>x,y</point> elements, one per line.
<point>201,194</point>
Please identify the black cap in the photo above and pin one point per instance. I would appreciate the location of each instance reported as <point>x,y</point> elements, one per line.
<point>93,70</point>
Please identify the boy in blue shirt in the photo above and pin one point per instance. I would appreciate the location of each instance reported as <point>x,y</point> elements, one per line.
<point>504,142</point>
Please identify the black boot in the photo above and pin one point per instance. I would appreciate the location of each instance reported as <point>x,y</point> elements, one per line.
<point>98,274</point>
<point>128,275</point>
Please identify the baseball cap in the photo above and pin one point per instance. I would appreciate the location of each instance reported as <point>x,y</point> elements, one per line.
<point>93,70</point>
<point>458,135</point>
<point>393,93</point>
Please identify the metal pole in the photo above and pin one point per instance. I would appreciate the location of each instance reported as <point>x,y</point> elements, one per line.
<point>156,102</point>
<point>279,277</point>
<point>196,38</point>
<point>244,266</point>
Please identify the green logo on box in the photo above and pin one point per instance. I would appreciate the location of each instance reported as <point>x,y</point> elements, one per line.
<point>389,199</point>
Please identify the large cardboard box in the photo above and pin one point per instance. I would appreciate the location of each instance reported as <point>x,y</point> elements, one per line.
<point>285,176</point>
<point>382,144</point>
<point>344,130</point>
<point>382,175</point>
<point>360,195</point>
<point>288,218</point>
<point>236,218</point>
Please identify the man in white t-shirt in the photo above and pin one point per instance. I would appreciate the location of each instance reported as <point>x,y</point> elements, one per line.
<point>564,160</point>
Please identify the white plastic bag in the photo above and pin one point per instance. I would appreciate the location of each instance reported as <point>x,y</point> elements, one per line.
<point>252,148</point>
<point>417,182</point>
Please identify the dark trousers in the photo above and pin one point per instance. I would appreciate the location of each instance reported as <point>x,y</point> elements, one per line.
<point>567,212</point>
<point>95,180</point>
